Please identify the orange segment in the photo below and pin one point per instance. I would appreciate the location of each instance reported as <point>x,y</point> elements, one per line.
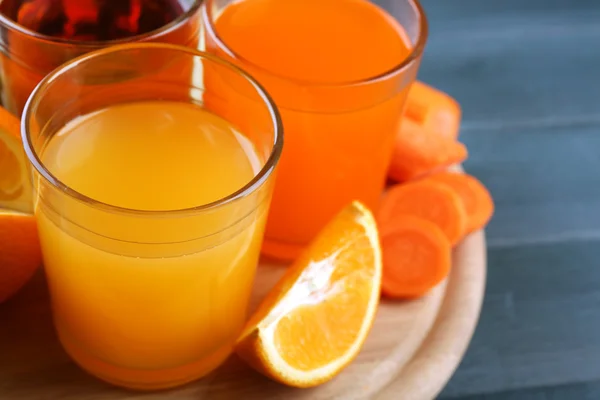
<point>315,320</point>
<point>15,188</point>
<point>20,253</point>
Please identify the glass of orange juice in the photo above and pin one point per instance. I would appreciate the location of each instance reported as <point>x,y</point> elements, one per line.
<point>339,71</point>
<point>151,208</point>
<point>37,36</point>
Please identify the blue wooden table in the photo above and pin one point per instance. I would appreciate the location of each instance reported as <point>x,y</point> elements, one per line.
<point>527,74</point>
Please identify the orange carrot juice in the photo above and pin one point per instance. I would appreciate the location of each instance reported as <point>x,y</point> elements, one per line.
<point>339,71</point>
<point>149,310</point>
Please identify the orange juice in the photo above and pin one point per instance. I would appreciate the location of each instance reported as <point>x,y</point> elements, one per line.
<point>339,71</point>
<point>149,301</point>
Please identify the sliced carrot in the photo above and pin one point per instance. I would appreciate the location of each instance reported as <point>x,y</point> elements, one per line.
<point>416,256</point>
<point>433,110</point>
<point>418,152</point>
<point>429,200</point>
<point>477,200</point>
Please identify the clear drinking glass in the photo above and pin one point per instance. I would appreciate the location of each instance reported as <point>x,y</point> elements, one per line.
<point>26,56</point>
<point>143,298</point>
<point>339,136</point>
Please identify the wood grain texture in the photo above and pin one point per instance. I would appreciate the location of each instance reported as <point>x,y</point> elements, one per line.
<point>545,183</point>
<point>515,62</point>
<point>439,355</point>
<point>526,75</point>
<point>540,322</point>
<point>574,391</point>
<point>428,336</point>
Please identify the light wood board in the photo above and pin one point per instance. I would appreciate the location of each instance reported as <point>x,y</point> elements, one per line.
<point>411,352</point>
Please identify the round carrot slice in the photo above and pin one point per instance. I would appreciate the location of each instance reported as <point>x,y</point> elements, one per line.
<point>416,256</point>
<point>429,200</point>
<point>477,200</point>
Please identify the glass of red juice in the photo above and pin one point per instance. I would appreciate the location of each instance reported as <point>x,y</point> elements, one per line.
<point>37,36</point>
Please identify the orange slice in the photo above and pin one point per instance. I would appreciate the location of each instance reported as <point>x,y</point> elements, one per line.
<point>20,253</point>
<point>15,187</point>
<point>316,319</point>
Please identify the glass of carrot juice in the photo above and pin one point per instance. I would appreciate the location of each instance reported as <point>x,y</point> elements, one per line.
<point>151,208</point>
<point>339,71</point>
<point>37,36</point>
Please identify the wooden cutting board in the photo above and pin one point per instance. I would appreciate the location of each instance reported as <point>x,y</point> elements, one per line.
<point>411,352</point>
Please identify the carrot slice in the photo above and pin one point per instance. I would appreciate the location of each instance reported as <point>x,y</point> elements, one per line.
<point>416,256</point>
<point>477,200</point>
<point>429,200</point>
<point>418,152</point>
<point>433,110</point>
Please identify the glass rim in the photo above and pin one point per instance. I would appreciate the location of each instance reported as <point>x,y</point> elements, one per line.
<point>250,187</point>
<point>406,62</point>
<point>94,44</point>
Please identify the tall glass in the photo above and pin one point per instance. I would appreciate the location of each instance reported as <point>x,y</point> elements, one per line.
<point>339,135</point>
<point>144,298</point>
<point>26,56</point>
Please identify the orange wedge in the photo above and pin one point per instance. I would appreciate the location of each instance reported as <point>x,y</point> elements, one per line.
<point>316,319</point>
<point>20,253</point>
<point>15,188</point>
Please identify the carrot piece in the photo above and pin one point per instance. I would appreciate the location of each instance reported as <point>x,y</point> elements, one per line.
<point>433,110</point>
<point>429,200</point>
<point>476,199</point>
<point>418,152</point>
<point>416,256</point>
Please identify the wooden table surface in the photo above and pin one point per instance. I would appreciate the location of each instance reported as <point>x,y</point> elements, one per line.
<point>527,74</point>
